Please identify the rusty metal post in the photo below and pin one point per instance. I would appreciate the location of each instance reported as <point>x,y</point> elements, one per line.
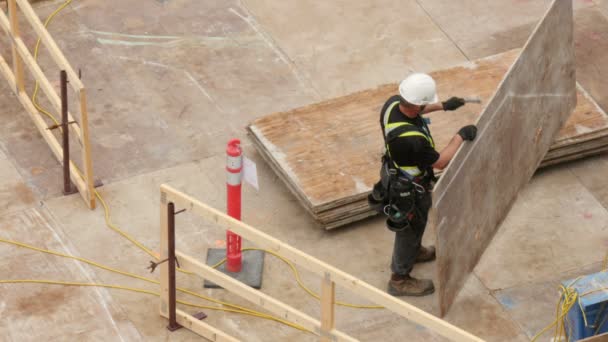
<point>173,325</point>
<point>67,183</point>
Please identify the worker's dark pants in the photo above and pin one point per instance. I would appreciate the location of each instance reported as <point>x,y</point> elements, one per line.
<point>407,241</point>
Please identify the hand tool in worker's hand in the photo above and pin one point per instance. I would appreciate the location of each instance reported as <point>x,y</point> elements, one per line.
<point>472,99</point>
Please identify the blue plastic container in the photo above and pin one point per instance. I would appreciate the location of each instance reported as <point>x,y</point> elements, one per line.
<point>595,306</point>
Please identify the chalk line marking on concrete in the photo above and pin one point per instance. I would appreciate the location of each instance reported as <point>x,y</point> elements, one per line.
<point>188,75</point>
<point>199,86</point>
<point>138,43</point>
<point>250,20</point>
<point>104,295</point>
<point>124,39</point>
<point>134,36</point>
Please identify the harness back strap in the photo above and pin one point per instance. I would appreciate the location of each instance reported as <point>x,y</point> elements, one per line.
<point>396,130</point>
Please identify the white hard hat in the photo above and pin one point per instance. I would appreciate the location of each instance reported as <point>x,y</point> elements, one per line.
<point>418,89</point>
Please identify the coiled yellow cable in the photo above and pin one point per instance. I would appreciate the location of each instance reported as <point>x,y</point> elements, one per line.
<point>567,300</point>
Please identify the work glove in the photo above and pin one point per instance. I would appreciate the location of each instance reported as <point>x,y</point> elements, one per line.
<point>468,132</point>
<point>453,103</point>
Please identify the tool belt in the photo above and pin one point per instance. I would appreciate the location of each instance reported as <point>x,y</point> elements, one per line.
<point>397,194</point>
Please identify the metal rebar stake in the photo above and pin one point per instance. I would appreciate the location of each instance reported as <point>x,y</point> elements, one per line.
<point>173,325</point>
<point>67,183</point>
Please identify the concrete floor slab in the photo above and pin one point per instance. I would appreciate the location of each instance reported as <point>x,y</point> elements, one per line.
<point>25,148</point>
<point>133,204</point>
<point>485,29</point>
<point>603,4</point>
<point>334,44</point>
<point>273,210</point>
<point>553,216</point>
<point>476,308</point>
<point>532,306</point>
<point>592,172</point>
<point>15,194</point>
<point>152,101</point>
<point>33,312</point>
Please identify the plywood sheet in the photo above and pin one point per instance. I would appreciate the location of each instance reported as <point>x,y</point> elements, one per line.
<point>338,142</point>
<point>328,153</point>
<point>515,131</point>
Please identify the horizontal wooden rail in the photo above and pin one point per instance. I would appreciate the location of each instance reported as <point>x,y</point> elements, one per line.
<point>326,271</point>
<point>257,297</point>
<point>51,140</point>
<point>45,85</point>
<point>50,44</point>
<point>207,331</point>
<point>21,55</point>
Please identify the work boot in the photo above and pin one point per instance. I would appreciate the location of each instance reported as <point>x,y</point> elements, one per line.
<point>426,254</point>
<point>409,286</point>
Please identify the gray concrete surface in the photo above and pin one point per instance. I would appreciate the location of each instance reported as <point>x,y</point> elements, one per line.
<point>171,81</point>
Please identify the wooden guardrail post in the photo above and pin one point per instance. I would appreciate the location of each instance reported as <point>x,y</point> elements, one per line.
<point>328,301</point>
<point>86,148</point>
<point>17,62</point>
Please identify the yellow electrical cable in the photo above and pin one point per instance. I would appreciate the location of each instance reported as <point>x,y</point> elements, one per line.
<point>107,268</point>
<point>286,261</point>
<point>107,217</point>
<point>42,110</point>
<point>119,287</point>
<point>46,23</point>
<point>299,280</point>
<point>569,297</point>
<point>109,223</point>
<point>557,307</point>
<point>567,300</point>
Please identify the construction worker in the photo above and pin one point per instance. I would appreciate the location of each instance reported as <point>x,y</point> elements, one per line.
<point>403,193</point>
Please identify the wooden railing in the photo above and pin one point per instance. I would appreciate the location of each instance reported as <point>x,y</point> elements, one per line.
<point>330,276</point>
<point>21,56</point>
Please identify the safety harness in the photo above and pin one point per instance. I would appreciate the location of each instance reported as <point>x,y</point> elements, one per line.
<point>401,183</point>
<point>396,130</point>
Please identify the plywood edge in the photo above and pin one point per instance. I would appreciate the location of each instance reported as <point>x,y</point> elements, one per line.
<point>258,142</point>
<point>326,103</point>
<point>590,98</point>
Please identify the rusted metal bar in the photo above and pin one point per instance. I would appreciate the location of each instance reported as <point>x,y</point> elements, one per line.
<point>173,325</point>
<point>67,183</point>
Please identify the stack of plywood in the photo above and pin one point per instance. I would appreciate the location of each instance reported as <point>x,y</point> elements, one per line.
<point>329,153</point>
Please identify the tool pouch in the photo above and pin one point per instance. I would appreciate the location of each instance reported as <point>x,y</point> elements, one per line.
<point>401,203</point>
<point>378,199</point>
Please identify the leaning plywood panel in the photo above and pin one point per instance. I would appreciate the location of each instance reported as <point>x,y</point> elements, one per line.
<point>515,131</point>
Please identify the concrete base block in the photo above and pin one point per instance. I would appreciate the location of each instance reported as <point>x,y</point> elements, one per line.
<point>251,272</point>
